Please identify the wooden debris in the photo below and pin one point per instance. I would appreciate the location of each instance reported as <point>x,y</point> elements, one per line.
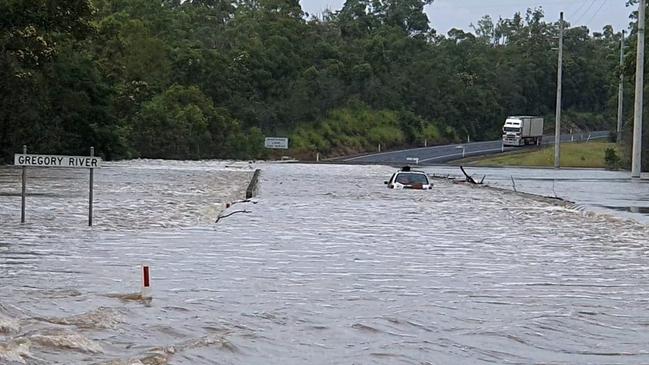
<point>229,214</point>
<point>469,179</point>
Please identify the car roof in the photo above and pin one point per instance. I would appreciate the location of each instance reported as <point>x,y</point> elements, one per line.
<point>409,169</point>
<point>411,172</point>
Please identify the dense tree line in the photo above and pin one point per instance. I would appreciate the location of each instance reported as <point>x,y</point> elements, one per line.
<point>211,78</point>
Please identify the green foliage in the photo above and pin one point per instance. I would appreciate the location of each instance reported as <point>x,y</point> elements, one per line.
<point>209,79</point>
<point>33,35</point>
<point>359,128</point>
<point>578,121</point>
<point>183,123</point>
<point>611,159</point>
<point>431,132</point>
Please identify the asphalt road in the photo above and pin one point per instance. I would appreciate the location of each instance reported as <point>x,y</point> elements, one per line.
<point>445,153</point>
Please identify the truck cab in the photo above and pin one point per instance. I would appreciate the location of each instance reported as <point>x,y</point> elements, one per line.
<point>522,130</point>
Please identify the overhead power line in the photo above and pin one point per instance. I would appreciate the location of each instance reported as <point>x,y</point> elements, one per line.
<point>596,12</point>
<point>579,8</point>
<point>500,4</point>
<point>585,12</point>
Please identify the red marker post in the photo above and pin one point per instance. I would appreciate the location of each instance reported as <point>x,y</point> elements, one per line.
<point>146,282</point>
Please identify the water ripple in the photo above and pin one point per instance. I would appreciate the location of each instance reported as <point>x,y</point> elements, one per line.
<point>329,267</point>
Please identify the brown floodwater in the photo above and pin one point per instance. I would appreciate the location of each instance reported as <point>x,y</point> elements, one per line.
<point>324,266</point>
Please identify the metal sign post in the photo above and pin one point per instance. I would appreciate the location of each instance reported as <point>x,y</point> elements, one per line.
<point>92,154</point>
<point>24,181</point>
<point>463,149</point>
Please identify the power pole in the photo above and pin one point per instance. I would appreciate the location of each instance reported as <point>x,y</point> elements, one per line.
<point>620,93</point>
<point>636,161</point>
<point>557,127</point>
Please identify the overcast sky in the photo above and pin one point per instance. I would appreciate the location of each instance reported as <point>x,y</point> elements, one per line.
<point>447,14</point>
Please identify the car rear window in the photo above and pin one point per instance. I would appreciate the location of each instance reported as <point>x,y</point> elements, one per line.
<point>409,178</point>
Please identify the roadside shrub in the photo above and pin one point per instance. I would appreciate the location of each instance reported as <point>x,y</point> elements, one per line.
<point>387,136</point>
<point>431,132</point>
<point>611,159</point>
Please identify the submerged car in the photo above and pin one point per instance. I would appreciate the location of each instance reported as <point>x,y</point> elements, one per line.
<point>409,179</point>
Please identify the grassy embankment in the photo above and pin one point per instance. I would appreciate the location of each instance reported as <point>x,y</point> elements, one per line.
<point>359,128</point>
<point>584,155</point>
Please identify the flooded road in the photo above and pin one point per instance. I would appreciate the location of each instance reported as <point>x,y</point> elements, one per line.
<point>328,267</point>
<point>610,192</point>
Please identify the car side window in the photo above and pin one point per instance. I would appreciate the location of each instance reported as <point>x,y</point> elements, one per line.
<point>403,179</point>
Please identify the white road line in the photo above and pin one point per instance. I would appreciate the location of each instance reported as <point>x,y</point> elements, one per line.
<point>414,149</point>
<point>459,154</point>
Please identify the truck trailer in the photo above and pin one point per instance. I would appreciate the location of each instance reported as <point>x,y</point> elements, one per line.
<point>522,130</point>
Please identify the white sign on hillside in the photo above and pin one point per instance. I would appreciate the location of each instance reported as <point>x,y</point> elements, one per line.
<point>276,142</point>
<point>90,162</point>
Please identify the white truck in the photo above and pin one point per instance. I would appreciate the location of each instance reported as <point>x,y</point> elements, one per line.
<point>522,130</point>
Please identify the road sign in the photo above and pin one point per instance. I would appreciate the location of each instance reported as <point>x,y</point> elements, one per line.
<point>415,159</point>
<point>463,149</point>
<point>90,162</point>
<point>276,142</point>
